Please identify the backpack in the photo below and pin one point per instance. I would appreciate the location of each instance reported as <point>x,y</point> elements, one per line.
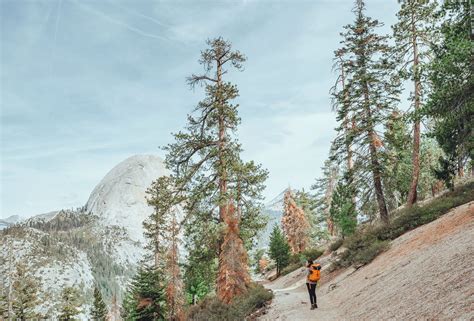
<point>315,272</point>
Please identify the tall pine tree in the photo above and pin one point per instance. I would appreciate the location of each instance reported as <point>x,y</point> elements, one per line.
<point>368,98</point>
<point>451,100</point>
<point>414,35</point>
<point>205,158</point>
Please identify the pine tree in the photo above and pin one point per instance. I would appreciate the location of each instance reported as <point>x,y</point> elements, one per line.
<point>161,196</point>
<point>368,99</point>
<point>295,224</point>
<point>174,288</point>
<point>256,257</point>
<point>343,209</point>
<point>145,298</point>
<point>451,100</point>
<point>200,273</point>
<point>414,34</point>
<point>429,184</point>
<point>3,302</point>
<point>24,294</point>
<point>69,304</point>
<point>162,230</point>
<point>233,277</point>
<point>205,158</point>
<point>279,250</point>
<point>99,309</point>
<point>317,232</point>
<point>324,189</point>
<point>340,102</point>
<point>397,160</point>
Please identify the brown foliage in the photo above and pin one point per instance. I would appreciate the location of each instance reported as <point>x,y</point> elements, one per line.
<point>263,263</point>
<point>295,224</point>
<point>233,277</point>
<point>377,141</point>
<point>143,303</point>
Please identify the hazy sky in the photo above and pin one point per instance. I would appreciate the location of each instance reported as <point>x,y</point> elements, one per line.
<point>86,84</point>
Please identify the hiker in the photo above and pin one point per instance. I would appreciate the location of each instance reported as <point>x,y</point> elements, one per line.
<point>314,274</point>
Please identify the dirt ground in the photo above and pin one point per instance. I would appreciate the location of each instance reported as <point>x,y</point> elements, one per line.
<point>427,274</point>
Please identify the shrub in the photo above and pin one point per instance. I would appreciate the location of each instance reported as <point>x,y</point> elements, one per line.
<point>365,245</point>
<point>312,254</point>
<point>367,254</point>
<point>212,309</point>
<point>255,298</point>
<point>295,258</point>
<point>290,268</point>
<point>335,245</point>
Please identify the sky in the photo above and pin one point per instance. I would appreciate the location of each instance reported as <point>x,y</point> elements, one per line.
<point>87,83</point>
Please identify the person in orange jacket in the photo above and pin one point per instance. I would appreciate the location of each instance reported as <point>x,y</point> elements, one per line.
<point>312,278</point>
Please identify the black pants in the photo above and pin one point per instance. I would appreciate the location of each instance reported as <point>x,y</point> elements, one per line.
<point>312,292</point>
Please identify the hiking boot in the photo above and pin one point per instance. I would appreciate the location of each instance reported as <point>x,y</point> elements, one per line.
<point>315,305</point>
<point>312,307</point>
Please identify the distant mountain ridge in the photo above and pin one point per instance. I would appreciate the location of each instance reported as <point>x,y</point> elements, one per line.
<point>8,221</point>
<point>100,243</point>
<point>274,211</point>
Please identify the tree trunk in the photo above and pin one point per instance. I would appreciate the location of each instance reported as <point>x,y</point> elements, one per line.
<point>328,197</point>
<point>347,124</point>
<point>378,181</point>
<point>376,172</point>
<point>157,251</point>
<point>412,195</point>
<point>460,168</point>
<point>221,145</point>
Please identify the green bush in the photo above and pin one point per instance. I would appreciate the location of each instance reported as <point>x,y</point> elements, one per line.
<point>295,258</point>
<point>308,254</point>
<point>255,298</point>
<point>365,245</point>
<point>290,268</point>
<point>212,309</point>
<point>335,245</point>
<point>298,260</point>
<point>367,254</point>
<point>312,254</point>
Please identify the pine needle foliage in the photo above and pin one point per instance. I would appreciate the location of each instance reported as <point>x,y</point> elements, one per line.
<point>99,309</point>
<point>451,101</point>
<point>24,294</point>
<point>145,298</point>
<point>343,210</point>
<point>367,99</point>
<point>279,250</point>
<point>70,304</point>
<point>414,34</point>
<point>207,171</point>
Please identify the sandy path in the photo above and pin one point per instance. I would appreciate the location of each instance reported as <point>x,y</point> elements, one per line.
<point>428,273</point>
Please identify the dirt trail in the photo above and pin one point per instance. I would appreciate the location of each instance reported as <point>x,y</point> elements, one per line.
<point>427,274</point>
